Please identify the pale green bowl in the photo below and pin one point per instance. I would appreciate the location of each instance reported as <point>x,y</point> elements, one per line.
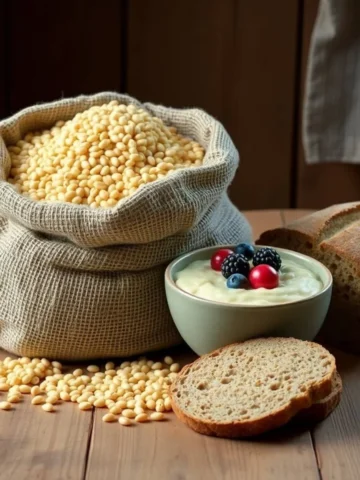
<point>207,325</point>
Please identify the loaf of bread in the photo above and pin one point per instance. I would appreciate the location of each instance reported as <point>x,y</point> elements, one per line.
<point>249,388</point>
<point>331,236</point>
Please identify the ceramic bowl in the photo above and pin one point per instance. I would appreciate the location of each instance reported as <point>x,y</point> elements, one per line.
<point>207,325</point>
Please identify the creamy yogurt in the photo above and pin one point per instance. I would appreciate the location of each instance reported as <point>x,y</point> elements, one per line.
<point>295,283</point>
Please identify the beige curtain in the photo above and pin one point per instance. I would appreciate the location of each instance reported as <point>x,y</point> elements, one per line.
<point>331,125</point>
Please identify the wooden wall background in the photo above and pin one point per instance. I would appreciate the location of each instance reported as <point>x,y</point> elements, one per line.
<point>242,61</point>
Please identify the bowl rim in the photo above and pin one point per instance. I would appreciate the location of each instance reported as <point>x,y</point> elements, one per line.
<point>169,280</point>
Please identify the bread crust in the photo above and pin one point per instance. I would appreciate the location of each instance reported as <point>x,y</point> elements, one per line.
<point>322,409</point>
<point>334,229</point>
<point>247,428</point>
<point>332,237</point>
<point>314,226</point>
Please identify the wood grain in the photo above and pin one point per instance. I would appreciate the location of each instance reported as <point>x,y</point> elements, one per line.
<point>261,221</point>
<point>43,446</point>
<point>171,451</point>
<point>60,49</point>
<point>337,440</point>
<point>238,63</point>
<point>260,101</point>
<point>181,55</point>
<point>319,186</point>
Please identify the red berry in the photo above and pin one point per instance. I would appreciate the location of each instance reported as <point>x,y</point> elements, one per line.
<point>264,276</point>
<point>218,258</point>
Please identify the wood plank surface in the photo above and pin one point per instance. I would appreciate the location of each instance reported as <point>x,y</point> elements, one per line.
<point>62,48</point>
<point>260,101</point>
<point>337,440</point>
<point>43,446</point>
<point>319,186</point>
<point>292,215</point>
<point>171,451</point>
<point>236,60</point>
<point>178,52</point>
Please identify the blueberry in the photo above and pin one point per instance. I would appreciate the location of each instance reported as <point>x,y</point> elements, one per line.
<point>245,249</point>
<point>236,280</point>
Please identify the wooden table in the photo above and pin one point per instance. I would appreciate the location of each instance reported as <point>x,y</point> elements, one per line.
<point>74,445</point>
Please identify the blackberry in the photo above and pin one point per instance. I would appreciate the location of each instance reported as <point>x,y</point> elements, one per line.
<point>267,256</point>
<point>235,263</point>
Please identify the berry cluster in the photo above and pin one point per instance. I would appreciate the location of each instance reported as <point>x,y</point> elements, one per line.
<point>235,266</point>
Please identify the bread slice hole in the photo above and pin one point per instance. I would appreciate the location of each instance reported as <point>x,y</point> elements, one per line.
<point>202,386</point>
<point>275,386</point>
<point>215,354</point>
<point>225,381</point>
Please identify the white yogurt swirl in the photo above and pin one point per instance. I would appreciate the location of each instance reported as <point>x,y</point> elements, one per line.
<point>295,283</point>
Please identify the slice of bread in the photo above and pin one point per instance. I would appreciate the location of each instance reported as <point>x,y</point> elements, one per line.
<point>249,388</point>
<point>322,409</point>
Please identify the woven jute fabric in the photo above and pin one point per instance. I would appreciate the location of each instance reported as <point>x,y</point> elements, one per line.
<point>80,283</point>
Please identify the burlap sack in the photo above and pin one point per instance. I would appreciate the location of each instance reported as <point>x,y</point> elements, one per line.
<point>79,283</point>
